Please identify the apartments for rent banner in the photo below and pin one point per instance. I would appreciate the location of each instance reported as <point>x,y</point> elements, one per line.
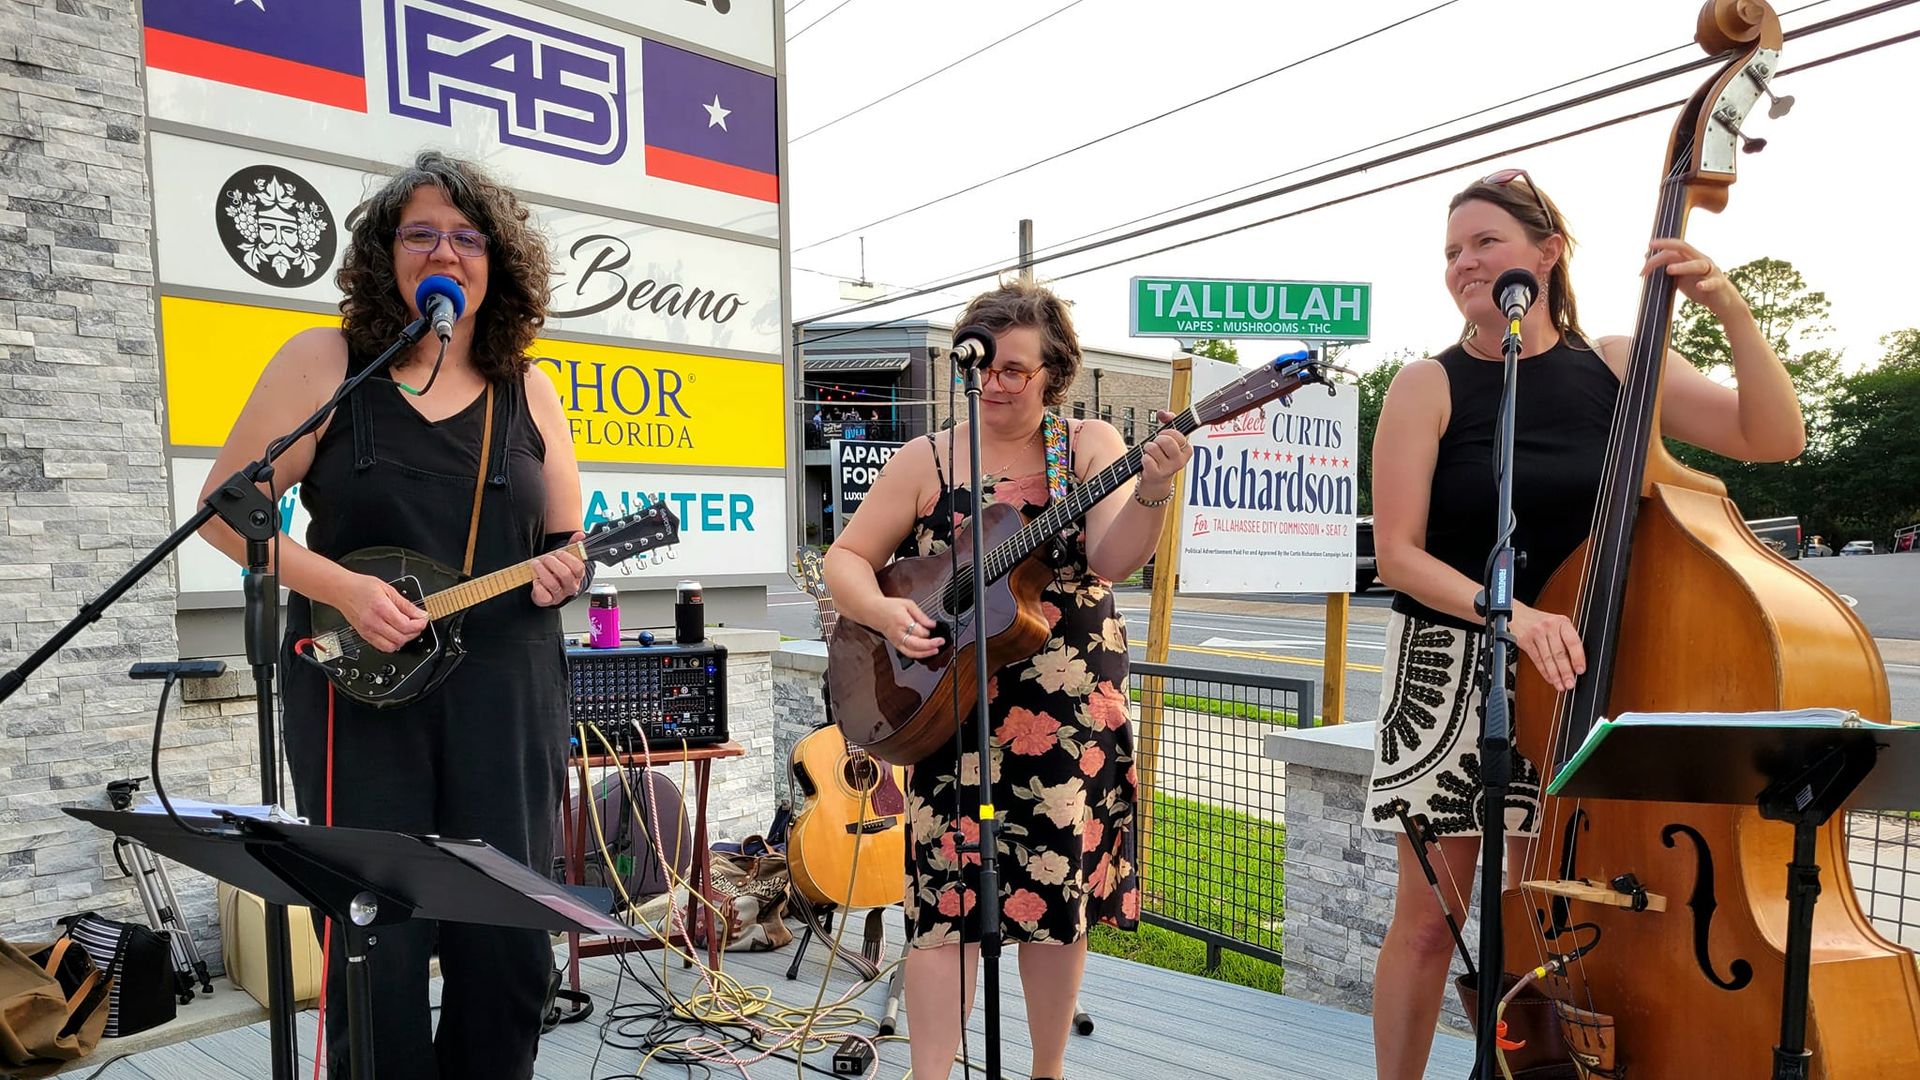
<point>643,138</point>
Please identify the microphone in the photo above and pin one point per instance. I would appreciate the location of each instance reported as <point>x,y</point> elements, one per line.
<point>439,299</point>
<point>1514,292</point>
<point>972,347</point>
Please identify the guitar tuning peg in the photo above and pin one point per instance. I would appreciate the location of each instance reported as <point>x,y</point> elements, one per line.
<point>1779,106</point>
<point>1748,144</point>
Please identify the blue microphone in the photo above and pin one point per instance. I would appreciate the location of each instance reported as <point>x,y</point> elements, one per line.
<point>439,299</point>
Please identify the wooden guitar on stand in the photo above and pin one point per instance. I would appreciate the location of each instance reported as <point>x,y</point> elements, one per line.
<point>847,798</point>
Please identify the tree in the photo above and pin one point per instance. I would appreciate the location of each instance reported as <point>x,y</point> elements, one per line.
<point>1216,349</point>
<point>1793,319</point>
<point>1901,349</point>
<point>1867,487</point>
<point>1373,385</point>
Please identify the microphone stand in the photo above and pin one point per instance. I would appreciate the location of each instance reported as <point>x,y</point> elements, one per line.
<point>1496,735</point>
<point>240,503</point>
<point>988,904</point>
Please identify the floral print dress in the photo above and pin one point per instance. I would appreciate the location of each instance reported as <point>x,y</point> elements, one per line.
<point>1062,761</point>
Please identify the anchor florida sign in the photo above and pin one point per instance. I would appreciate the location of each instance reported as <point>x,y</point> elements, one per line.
<point>1192,308</point>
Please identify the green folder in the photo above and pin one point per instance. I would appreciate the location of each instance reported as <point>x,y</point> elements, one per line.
<point>1729,758</point>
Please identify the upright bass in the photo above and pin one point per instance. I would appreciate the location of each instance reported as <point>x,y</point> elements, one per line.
<point>1681,608</point>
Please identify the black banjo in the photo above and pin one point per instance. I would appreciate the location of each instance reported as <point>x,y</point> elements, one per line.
<point>386,680</point>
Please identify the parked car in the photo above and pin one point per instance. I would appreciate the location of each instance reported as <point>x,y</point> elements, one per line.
<point>1858,547</point>
<point>1782,534</point>
<point>1816,548</point>
<point>1365,568</point>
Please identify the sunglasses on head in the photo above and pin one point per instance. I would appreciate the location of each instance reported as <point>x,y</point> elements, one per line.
<point>1508,176</point>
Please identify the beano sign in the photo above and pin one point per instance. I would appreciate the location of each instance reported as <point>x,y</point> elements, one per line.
<point>1192,308</point>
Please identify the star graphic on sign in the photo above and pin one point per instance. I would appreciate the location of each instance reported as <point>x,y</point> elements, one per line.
<point>716,114</point>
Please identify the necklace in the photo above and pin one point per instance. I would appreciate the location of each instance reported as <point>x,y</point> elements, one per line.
<point>1015,456</point>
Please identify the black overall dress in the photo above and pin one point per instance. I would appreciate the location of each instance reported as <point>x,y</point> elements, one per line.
<point>482,755</point>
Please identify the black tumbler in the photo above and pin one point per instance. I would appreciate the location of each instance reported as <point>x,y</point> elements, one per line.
<point>689,614</point>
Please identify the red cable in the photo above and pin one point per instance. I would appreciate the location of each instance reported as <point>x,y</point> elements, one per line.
<point>326,935</point>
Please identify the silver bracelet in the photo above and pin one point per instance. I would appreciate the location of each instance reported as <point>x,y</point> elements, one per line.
<point>1151,504</point>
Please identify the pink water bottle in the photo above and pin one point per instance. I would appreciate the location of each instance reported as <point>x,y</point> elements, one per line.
<point>603,616</point>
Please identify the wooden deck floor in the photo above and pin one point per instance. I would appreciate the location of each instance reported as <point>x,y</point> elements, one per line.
<point>1149,1023</point>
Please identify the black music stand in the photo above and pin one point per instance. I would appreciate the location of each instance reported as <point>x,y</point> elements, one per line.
<point>362,879</point>
<point>1798,767</point>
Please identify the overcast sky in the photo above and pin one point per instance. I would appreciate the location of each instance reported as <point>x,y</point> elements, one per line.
<point>1832,193</point>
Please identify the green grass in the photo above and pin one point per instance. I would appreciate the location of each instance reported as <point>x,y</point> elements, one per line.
<point>1216,869</point>
<point>1211,706</point>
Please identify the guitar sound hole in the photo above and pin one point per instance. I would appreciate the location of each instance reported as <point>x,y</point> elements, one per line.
<point>860,773</point>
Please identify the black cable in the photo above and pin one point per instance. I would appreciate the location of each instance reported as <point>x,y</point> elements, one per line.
<point>795,36</point>
<point>1047,248</point>
<point>159,786</point>
<point>1383,160</point>
<point>953,700</point>
<point>1367,166</point>
<point>903,89</point>
<point>1328,51</point>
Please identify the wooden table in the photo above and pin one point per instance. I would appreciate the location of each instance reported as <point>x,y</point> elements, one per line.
<point>574,829</point>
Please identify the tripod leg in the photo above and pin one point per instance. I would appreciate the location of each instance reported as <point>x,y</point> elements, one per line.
<point>145,869</point>
<point>196,967</point>
<point>800,953</point>
<point>1082,1023</point>
<point>890,1021</point>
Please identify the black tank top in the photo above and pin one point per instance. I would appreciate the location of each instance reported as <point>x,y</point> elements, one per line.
<point>385,475</point>
<point>1562,416</point>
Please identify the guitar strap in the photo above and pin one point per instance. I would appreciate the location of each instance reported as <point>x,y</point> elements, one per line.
<point>479,483</point>
<point>1053,434</point>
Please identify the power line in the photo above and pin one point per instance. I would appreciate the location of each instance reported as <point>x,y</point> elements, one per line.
<point>1373,163</point>
<point>795,36</point>
<point>1506,152</point>
<point>1330,50</point>
<point>996,265</point>
<point>931,74</point>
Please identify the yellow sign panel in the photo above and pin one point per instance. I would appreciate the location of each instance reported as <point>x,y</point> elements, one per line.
<point>638,406</point>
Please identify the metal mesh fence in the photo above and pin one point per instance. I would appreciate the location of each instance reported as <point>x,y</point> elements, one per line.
<point>1212,804</point>
<point>1883,848</point>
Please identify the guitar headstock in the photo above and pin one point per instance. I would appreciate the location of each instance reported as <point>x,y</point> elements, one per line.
<point>1271,381</point>
<point>613,542</point>
<point>809,574</point>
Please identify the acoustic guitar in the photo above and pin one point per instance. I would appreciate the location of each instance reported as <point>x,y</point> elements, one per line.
<point>847,798</point>
<point>900,709</point>
<point>388,680</point>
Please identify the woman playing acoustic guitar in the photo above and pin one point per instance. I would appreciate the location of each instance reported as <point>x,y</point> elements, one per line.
<point>1063,751</point>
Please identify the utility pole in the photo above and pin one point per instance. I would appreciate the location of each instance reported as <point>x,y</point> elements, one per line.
<point>1026,250</point>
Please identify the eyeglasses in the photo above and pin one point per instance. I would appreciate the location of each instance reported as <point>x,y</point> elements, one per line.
<point>1508,176</point>
<point>425,240</point>
<point>1012,380</point>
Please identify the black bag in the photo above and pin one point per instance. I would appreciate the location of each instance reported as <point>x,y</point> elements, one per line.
<point>139,961</point>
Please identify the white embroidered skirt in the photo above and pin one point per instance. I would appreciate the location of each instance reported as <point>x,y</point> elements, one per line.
<point>1426,747</point>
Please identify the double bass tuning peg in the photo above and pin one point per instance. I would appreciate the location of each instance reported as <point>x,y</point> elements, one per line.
<point>1748,144</point>
<point>1779,106</point>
